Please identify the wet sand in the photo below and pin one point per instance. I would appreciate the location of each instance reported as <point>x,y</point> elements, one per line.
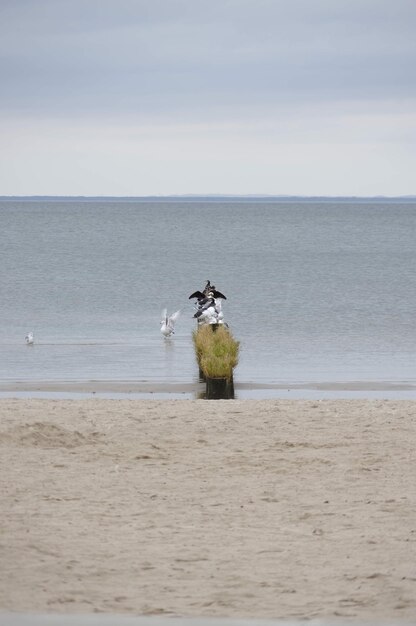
<point>244,508</point>
<point>134,387</point>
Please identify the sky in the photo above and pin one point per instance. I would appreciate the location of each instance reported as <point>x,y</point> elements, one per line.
<point>171,97</point>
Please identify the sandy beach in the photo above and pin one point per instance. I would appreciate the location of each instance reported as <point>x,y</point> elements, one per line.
<point>244,508</point>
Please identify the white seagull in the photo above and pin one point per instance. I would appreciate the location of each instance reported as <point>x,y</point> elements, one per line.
<point>29,339</point>
<point>210,311</point>
<point>168,323</point>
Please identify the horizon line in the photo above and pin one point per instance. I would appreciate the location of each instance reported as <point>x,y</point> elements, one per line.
<point>209,195</point>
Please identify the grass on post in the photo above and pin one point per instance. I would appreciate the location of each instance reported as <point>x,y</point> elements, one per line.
<point>216,351</point>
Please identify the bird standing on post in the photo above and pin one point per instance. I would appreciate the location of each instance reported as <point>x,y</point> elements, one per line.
<point>208,305</point>
<point>207,291</point>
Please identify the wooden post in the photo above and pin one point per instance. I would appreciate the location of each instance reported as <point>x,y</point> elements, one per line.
<point>219,389</point>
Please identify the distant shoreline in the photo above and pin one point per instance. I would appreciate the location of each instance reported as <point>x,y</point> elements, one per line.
<point>209,198</point>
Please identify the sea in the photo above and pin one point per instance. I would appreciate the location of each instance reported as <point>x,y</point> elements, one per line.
<point>319,292</point>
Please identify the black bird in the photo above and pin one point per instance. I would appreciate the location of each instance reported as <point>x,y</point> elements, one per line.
<point>209,290</point>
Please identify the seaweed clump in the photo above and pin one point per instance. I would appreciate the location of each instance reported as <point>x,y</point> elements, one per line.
<point>216,351</point>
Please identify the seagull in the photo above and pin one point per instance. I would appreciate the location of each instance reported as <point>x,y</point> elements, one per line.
<point>29,339</point>
<point>206,307</point>
<point>210,312</point>
<point>168,323</point>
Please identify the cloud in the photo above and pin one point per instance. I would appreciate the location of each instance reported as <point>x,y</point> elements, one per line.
<point>186,57</point>
<point>244,96</point>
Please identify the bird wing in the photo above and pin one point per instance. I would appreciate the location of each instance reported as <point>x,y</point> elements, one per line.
<point>218,294</point>
<point>203,302</point>
<point>197,294</point>
<point>164,316</point>
<point>174,317</point>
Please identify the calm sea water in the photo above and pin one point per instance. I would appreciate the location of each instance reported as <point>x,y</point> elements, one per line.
<point>316,291</point>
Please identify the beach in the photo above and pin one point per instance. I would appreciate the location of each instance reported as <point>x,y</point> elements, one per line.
<point>253,509</point>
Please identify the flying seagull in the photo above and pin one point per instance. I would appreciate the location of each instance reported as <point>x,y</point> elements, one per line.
<point>167,323</point>
<point>30,339</point>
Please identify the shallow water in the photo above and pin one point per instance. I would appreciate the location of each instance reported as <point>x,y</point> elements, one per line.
<point>316,291</point>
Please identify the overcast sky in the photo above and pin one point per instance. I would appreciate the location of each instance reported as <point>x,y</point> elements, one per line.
<point>159,97</point>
